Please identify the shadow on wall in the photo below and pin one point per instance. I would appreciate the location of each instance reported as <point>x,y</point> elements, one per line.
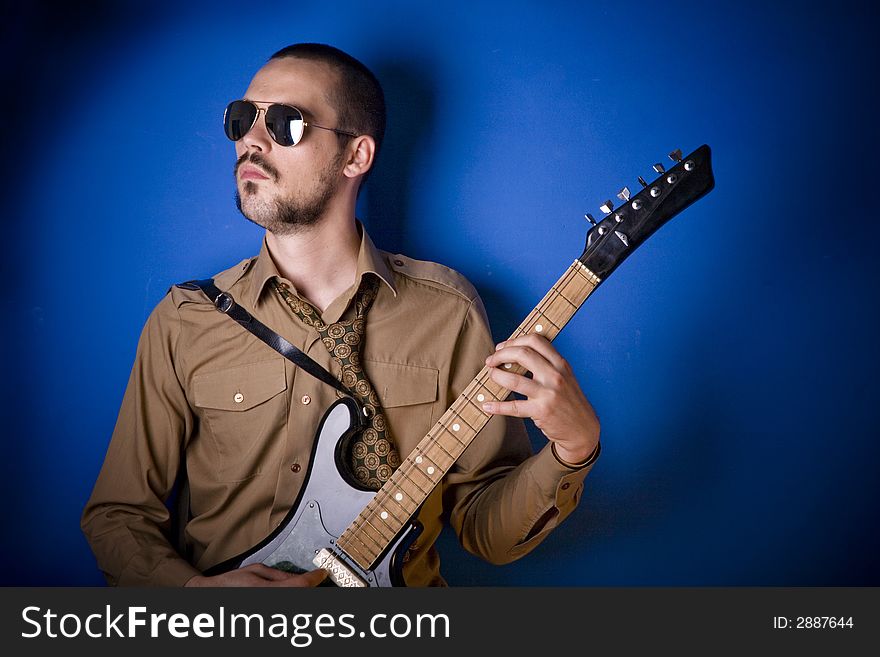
<point>410,102</point>
<point>642,486</point>
<point>411,98</point>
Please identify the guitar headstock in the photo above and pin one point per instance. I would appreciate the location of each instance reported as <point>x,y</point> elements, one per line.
<point>622,230</point>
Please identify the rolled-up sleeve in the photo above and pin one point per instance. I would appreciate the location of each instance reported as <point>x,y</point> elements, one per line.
<point>126,520</point>
<point>502,500</point>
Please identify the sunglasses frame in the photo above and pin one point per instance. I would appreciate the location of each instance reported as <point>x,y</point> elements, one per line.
<point>264,110</point>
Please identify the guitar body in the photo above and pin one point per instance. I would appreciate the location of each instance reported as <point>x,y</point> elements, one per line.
<point>328,503</point>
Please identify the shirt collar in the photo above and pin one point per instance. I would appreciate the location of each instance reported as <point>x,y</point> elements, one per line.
<point>369,260</point>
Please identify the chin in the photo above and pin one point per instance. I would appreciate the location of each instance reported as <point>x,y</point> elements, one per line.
<point>255,209</point>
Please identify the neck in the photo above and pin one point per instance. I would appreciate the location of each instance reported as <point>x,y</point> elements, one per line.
<point>320,261</point>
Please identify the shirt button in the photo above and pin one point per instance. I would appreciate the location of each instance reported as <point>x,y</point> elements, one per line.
<point>238,398</point>
<point>295,467</point>
<point>566,486</point>
<point>399,263</point>
<point>306,399</point>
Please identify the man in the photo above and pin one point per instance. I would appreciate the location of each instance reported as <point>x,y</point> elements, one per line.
<point>205,392</point>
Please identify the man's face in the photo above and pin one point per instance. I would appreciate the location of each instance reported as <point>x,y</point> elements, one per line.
<point>288,188</point>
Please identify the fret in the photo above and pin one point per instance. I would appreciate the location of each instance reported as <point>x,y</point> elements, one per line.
<point>352,551</point>
<point>493,391</point>
<point>402,480</point>
<point>380,538</point>
<point>382,525</point>
<point>417,475</point>
<point>558,308</point>
<point>472,415</point>
<point>456,439</point>
<point>578,287</point>
<point>455,428</point>
<point>422,459</point>
<point>405,497</point>
<point>359,551</point>
<point>446,453</point>
<point>393,517</point>
<point>406,481</point>
<point>540,323</point>
<point>481,393</point>
<point>449,445</point>
<point>454,417</point>
<point>391,509</point>
<point>437,452</point>
<point>370,540</point>
<point>382,518</point>
<point>405,493</point>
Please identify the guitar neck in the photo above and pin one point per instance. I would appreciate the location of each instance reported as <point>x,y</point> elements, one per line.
<point>399,499</point>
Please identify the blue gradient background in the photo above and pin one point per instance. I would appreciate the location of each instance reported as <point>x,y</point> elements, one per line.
<point>733,359</point>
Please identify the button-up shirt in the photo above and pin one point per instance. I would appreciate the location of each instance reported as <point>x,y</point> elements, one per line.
<point>244,419</point>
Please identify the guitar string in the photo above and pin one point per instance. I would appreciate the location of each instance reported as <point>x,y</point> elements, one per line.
<point>524,328</point>
<point>382,496</point>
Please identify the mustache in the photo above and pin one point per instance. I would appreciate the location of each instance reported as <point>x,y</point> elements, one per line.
<point>257,160</point>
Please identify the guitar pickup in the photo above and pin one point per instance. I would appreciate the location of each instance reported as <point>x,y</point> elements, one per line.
<point>340,574</point>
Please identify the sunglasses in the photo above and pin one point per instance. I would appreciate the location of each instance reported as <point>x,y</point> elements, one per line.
<point>284,123</point>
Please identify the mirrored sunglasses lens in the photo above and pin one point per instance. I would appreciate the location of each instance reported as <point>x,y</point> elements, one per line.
<point>285,124</point>
<point>239,119</point>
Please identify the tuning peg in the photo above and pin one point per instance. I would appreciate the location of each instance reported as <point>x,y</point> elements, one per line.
<point>675,155</point>
<point>659,168</point>
<point>642,182</point>
<point>624,194</point>
<point>607,207</point>
<point>590,218</point>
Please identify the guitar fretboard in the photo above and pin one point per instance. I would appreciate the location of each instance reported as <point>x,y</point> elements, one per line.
<point>395,504</point>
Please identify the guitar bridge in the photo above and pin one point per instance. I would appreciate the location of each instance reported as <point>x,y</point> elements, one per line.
<point>340,574</point>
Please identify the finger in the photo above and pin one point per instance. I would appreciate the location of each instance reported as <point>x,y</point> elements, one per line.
<point>540,344</point>
<point>309,579</point>
<point>513,408</point>
<point>266,572</point>
<point>527,357</point>
<point>514,382</point>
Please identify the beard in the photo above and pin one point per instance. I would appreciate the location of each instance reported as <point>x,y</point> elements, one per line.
<point>291,214</point>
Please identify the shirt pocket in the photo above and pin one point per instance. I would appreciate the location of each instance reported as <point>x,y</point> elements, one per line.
<point>245,413</point>
<point>407,394</point>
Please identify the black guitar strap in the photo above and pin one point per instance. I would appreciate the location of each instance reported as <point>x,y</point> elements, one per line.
<point>224,302</point>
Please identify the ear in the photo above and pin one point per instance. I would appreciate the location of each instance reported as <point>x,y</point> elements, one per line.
<point>361,152</point>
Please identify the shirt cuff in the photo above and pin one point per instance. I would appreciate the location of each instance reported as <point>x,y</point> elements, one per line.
<point>557,482</point>
<point>583,464</point>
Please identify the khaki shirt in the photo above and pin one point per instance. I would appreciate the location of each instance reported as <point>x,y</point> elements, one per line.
<point>245,420</point>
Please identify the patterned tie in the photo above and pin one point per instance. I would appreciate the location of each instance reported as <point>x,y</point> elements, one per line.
<point>373,455</point>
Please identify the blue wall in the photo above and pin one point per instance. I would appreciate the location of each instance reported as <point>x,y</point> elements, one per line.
<point>732,359</point>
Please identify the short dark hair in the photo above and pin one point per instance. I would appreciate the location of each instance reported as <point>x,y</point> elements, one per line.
<point>358,97</point>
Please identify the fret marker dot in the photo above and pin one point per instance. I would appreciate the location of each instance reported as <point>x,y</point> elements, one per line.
<point>456,426</point>
<point>398,496</point>
<point>430,469</point>
<point>539,328</point>
<point>418,459</point>
<point>384,515</point>
<point>507,366</point>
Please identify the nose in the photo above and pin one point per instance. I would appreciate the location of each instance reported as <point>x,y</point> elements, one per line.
<point>258,138</point>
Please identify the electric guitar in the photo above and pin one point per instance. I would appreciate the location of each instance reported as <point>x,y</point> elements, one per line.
<point>360,535</point>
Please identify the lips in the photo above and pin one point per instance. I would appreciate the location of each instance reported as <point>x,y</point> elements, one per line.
<point>249,172</point>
